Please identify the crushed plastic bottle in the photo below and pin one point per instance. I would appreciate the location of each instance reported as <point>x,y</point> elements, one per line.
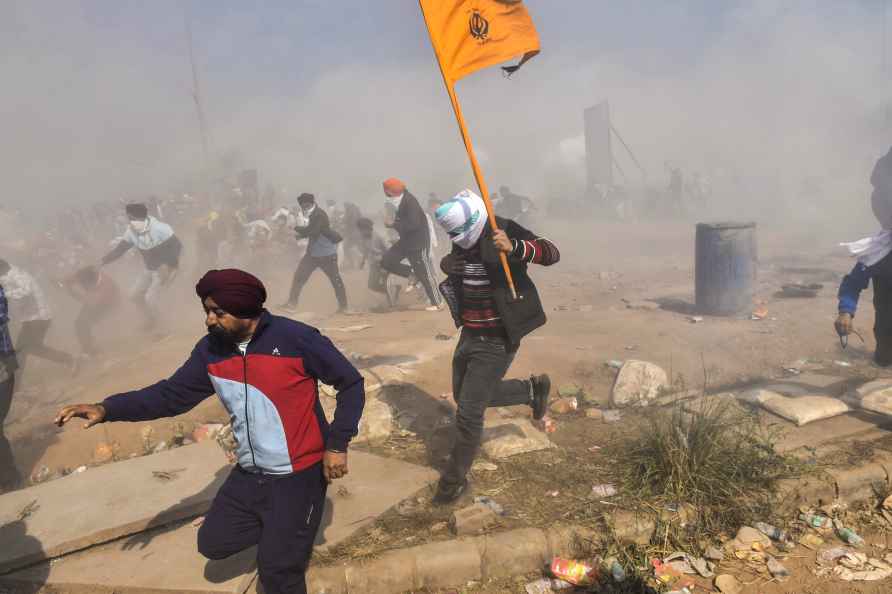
<point>814,520</point>
<point>772,532</point>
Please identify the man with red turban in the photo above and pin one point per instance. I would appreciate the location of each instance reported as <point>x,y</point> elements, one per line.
<point>265,369</point>
<point>414,242</point>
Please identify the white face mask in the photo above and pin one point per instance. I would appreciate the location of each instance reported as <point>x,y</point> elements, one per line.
<point>396,200</point>
<point>139,226</point>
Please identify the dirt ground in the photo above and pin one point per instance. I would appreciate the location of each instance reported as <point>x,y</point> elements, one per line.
<point>604,266</point>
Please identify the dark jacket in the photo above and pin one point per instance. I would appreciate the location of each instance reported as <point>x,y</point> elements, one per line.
<point>520,317</point>
<point>411,224</point>
<point>319,225</point>
<point>271,394</point>
<point>881,198</point>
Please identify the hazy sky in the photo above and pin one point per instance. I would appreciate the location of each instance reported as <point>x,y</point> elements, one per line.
<point>332,96</point>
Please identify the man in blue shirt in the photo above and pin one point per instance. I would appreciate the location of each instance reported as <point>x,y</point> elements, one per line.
<point>322,252</point>
<point>849,292</point>
<point>9,474</point>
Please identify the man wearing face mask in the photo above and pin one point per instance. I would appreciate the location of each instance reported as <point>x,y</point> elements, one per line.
<point>160,250</point>
<point>265,370</point>
<point>492,324</point>
<point>322,252</point>
<point>414,243</point>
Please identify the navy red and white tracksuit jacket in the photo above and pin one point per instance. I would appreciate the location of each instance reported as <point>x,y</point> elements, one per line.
<point>271,394</point>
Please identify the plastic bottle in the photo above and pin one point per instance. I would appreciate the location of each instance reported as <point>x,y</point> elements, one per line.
<point>814,520</point>
<point>772,532</point>
<point>847,534</point>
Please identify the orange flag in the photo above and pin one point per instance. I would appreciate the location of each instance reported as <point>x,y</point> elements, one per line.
<point>469,35</point>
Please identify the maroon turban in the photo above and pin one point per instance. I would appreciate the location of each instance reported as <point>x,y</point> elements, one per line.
<point>235,291</point>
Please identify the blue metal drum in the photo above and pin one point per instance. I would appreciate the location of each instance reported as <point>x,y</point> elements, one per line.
<point>725,273</point>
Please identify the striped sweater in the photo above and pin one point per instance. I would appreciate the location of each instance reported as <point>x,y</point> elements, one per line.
<point>479,314</point>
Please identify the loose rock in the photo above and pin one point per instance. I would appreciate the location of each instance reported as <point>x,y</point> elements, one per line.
<point>637,384</point>
<point>474,519</point>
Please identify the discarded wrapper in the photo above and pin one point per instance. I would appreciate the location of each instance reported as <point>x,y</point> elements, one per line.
<point>574,572</point>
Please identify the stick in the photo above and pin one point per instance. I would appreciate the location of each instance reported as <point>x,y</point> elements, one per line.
<point>484,191</point>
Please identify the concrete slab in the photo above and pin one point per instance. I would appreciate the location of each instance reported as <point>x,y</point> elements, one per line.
<point>502,439</point>
<point>108,502</point>
<point>853,425</point>
<point>166,561</point>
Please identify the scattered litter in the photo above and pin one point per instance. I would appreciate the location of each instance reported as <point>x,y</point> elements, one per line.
<point>811,541</point>
<point>442,337</point>
<point>842,363</point>
<point>666,573</point>
<point>546,424</point>
<point>814,520</point>
<point>631,347</point>
<point>612,416</point>
<point>847,535</point>
<point>484,466</point>
<point>41,475</point>
<point>577,573</point>
<point>604,491</point>
<point>695,319</point>
<point>445,395</point>
<point>80,469</point>
<point>616,570</point>
<point>760,313</point>
<point>777,571</point>
<point>828,556</point>
<point>772,532</point>
<point>552,493</point>
<point>563,406</point>
<point>491,504</point>
<point>614,364</point>
<point>792,370</point>
<point>594,448</point>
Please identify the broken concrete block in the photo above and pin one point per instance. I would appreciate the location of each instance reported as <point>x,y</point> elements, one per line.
<point>508,438</point>
<point>805,409</point>
<point>376,423</point>
<point>631,527</point>
<point>474,519</point>
<point>638,384</point>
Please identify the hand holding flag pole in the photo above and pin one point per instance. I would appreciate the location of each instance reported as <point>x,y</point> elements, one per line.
<point>468,35</point>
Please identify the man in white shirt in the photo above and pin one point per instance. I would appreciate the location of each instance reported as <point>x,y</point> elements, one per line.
<point>28,298</point>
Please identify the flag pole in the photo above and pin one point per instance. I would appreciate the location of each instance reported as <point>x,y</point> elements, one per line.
<point>469,148</point>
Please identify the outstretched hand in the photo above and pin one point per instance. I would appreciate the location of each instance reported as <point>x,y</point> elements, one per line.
<point>94,413</point>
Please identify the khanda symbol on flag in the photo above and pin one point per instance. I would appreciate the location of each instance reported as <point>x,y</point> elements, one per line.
<point>469,35</point>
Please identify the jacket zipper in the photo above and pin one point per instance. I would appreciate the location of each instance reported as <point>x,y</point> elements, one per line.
<point>247,422</point>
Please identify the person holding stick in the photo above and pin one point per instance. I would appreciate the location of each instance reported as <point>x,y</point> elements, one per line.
<point>491,321</point>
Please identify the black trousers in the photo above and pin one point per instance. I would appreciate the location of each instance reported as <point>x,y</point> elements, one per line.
<point>280,515</point>
<point>328,265</point>
<point>30,341</point>
<point>478,370</point>
<point>882,327</point>
<point>9,474</point>
<point>419,265</point>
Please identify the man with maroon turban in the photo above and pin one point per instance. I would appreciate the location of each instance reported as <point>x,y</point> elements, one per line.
<point>265,369</point>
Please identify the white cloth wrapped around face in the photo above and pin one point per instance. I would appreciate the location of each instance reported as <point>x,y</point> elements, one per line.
<point>463,218</point>
<point>871,250</point>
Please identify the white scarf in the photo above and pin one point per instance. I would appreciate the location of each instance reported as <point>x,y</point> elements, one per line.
<point>871,250</point>
<point>463,218</point>
<point>396,200</point>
